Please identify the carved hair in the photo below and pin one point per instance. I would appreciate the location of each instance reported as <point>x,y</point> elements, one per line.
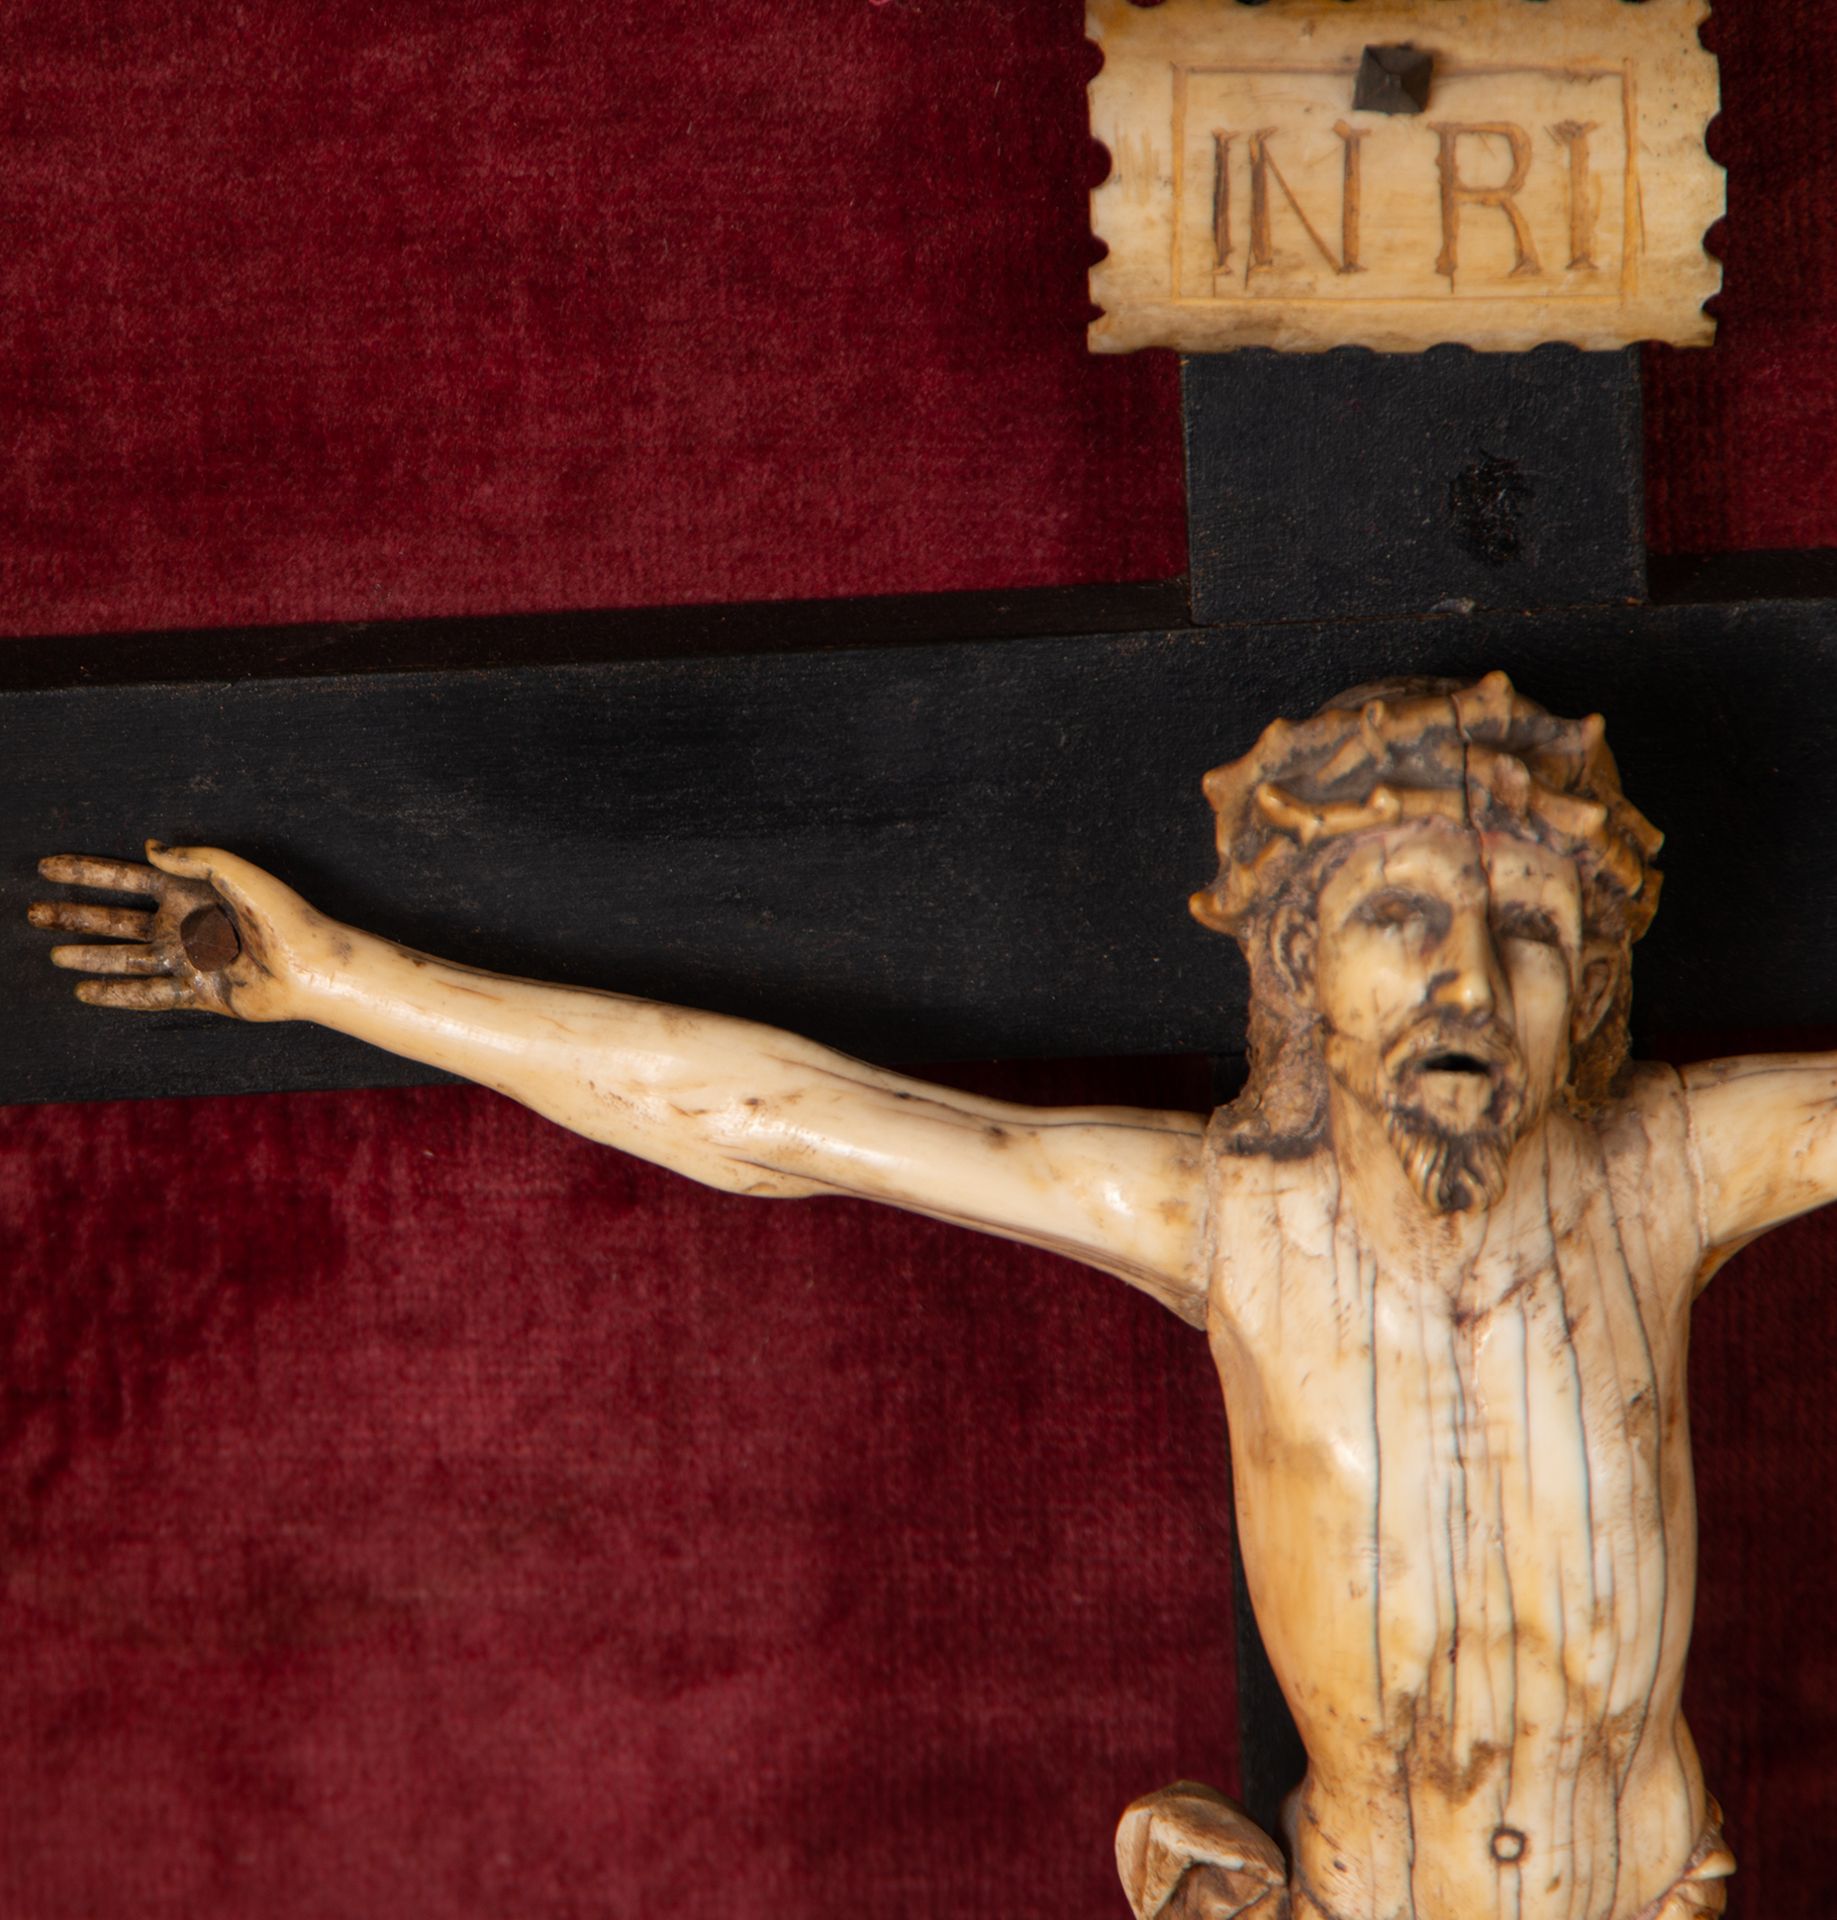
<point>1479,756</point>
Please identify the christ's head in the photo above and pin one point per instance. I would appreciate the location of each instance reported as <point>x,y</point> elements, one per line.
<point>1437,888</point>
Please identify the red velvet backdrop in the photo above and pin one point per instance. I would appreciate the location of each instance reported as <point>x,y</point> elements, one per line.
<point>409,1508</point>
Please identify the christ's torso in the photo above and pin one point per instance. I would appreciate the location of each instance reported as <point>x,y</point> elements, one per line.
<point>1467,1519</point>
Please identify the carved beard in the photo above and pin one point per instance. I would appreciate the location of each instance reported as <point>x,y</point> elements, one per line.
<point>1451,1172</point>
<point>1452,1169</point>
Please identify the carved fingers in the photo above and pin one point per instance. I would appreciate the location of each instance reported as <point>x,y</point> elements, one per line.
<point>133,959</point>
<point>106,876</point>
<point>71,916</point>
<point>172,952</point>
<point>140,996</point>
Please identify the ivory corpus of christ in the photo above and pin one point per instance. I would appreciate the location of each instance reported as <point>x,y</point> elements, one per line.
<point>1444,1248</point>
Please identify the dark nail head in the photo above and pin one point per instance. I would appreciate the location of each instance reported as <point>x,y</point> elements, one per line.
<point>1393,80</point>
<point>209,938</point>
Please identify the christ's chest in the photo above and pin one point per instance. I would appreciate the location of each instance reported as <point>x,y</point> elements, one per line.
<point>1481,1458</point>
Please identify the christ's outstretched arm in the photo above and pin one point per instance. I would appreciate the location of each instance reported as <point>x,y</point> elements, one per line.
<point>730,1103</point>
<point>1764,1130</point>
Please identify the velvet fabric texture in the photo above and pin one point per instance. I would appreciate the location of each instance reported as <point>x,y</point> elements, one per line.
<point>408,1508</point>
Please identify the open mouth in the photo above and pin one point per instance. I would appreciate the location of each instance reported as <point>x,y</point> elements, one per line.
<point>1451,1062</point>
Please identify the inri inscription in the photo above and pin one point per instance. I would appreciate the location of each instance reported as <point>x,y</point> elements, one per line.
<point>1467,204</point>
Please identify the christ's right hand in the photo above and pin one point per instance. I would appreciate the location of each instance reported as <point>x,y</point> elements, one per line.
<point>207,930</point>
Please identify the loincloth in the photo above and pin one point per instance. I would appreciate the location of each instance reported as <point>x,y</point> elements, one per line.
<point>1188,1853</point>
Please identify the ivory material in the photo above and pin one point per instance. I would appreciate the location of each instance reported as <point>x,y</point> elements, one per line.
<point>1444,1249</point>
<point>1555,187</point>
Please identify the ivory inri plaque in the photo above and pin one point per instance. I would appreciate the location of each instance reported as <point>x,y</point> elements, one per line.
<point>1398,173</point>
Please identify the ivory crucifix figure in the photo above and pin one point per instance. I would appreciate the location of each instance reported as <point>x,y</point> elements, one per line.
<point>1444,1249</point>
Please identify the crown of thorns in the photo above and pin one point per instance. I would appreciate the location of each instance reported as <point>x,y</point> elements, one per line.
<point>1480,756</point>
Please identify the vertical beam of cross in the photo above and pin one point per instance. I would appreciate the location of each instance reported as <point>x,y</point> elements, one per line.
<point>1352,485</point>
<point>1347,485</point>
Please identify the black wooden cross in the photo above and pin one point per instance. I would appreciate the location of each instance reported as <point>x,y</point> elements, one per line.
<point>959,826</point>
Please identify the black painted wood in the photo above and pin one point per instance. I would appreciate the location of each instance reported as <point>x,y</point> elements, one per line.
<point>572,638</point>
<point>1807,573</point>
<point>914,853</point>
<point>1352,483</point>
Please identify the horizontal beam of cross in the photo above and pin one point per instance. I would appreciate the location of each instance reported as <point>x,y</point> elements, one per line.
<point>913,852</point>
